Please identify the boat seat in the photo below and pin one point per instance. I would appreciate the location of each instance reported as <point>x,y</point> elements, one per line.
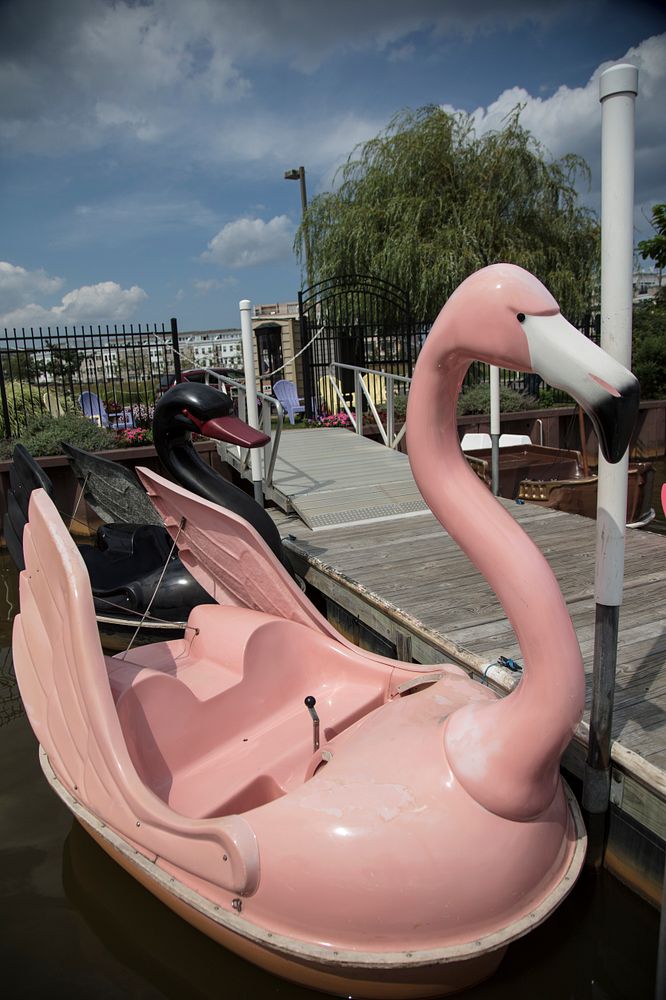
<point>213,738</point>
<point>508,440</point>
<point>475,442</point>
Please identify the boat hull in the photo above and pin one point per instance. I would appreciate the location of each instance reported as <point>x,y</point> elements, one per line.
<point>554,477</point>
<point>390,975</point>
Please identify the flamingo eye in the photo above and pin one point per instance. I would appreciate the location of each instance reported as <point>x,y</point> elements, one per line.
<point>521,317</point>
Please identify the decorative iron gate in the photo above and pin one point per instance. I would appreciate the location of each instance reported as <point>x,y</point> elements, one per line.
<point>354,320</point>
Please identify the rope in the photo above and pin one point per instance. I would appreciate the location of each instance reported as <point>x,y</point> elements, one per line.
<point>501,661</point>
<point>81,492</point>
<point>164,343</point>
<point>157,587</point>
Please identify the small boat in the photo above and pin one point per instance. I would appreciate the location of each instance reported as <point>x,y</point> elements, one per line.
<point>352,823</point>
<point>134,567</point>
<point>556,478</point>
<point>114,493</point>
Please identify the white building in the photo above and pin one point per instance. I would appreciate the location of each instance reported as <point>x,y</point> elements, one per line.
<point>646,285</point>
<point>211,349</point>
<point>101,364</point>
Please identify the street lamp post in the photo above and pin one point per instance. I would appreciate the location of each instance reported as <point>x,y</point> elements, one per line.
<point>298,174</point>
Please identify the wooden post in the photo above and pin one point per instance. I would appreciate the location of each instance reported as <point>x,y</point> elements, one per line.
<point>618,87</point>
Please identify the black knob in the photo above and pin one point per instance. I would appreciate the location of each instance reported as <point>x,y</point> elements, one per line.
<point>310,701</point>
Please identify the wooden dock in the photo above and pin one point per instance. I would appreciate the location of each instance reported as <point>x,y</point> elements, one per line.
<point>394,580</point>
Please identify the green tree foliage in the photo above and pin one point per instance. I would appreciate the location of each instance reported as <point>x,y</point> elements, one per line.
<point>649,347</point>
<point>21,365</point>
<point>65,362</point>
<point>655,247</point>
<point>428,201</point>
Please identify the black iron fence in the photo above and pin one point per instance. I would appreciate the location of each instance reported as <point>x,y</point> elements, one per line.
<point>100,370</point>
<point>355,320</point>
<point>365,322</point>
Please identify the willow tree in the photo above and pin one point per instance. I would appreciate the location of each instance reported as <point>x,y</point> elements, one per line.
<point>428,201</point>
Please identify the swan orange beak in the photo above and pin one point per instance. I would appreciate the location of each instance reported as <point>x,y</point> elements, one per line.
<point>606,390</point>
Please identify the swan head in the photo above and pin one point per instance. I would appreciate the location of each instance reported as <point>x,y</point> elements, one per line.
<point>503,315</point>
<point>194,408</point>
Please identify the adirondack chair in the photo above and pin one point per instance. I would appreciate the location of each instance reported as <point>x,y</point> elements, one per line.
<point>329,397</point>
<point>286,393</point>
<point>93,408</point>
<point>55,405</point>
<point>376,386</point>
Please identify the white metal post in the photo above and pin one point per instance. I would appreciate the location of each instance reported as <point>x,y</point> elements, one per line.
<point>251,393</point>
<point>494,427</point>
<point>618,87</point>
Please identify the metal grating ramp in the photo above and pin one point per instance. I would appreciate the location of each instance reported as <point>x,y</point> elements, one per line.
<point>348,517</point>
<point>333,477</point>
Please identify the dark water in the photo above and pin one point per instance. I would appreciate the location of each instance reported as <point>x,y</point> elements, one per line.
<point>74,925</point>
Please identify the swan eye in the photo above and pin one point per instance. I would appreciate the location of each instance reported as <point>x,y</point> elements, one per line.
<point>521,317</point>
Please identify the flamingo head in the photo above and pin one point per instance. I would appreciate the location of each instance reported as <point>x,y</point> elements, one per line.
<point>194,408</point>
<point>503,315</point>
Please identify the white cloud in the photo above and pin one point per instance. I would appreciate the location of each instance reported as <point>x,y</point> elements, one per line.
<point>204,287</point>
<point>18,285</point>
<point>569,121</point>
<point>248,242</point>
<point>105,302</point>
<point>81,74</point>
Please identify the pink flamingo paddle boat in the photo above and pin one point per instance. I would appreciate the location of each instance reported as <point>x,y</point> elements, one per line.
<point>349,822</point>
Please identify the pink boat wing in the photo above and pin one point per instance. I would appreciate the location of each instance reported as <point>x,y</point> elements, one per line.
<point>228,557</point>
<point>62,676</point>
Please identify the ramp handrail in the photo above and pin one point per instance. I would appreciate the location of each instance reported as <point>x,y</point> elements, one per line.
<point>269,452</point>
<point>362,390</point>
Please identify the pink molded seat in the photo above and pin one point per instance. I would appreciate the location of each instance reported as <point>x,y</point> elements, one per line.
<point>217,727</point>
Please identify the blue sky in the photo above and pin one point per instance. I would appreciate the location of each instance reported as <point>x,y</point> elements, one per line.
<point>143,143</point>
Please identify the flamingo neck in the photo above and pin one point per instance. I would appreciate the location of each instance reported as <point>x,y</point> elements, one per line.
<point>505,753</point>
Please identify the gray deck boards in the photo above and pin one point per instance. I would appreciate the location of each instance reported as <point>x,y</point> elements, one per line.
<point>412,563</point>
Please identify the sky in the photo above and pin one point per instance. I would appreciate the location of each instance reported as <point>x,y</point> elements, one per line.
<point>143,143</point>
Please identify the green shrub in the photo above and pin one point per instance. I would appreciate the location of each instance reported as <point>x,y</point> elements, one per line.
<point>23,400</point>
<point>477,400</point>
<point>649,346</point>
<point>43,434</point>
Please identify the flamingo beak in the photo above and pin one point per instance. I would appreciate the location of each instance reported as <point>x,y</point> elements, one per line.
<point>607,391</point>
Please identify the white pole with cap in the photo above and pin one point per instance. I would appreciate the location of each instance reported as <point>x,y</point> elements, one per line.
<point>245,307</point>
<point>618,87</point>
<point>494,427</point>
